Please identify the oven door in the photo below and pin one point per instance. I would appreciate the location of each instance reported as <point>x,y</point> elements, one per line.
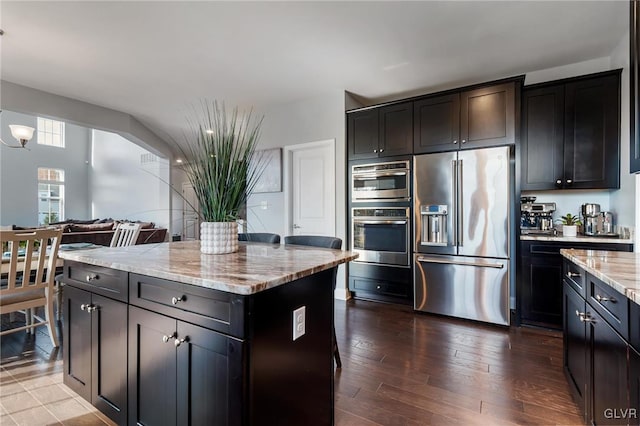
<point>381,240</point>
<point>380,185</point>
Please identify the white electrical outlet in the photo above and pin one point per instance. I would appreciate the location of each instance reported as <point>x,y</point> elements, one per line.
<point>299,324</point>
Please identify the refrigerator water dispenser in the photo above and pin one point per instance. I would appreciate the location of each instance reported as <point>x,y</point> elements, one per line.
<point>434,225</point>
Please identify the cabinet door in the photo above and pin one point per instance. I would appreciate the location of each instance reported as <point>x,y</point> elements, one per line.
<point>209,377</point>
<point>152,368</point>
<point>436,124</point>
<point>362,136</point>
<point>109,358</point>
<point>487,116</point>
<point>575,346</point>
<point>396,130</point>
<point>542,290</point>
<point>543,138</point>
<point>592,133</point>
<point>634,387</point>
<point>77,341</point>
<point>608,397</point>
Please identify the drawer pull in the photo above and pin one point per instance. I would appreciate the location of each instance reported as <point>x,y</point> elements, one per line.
<point>378,287</point>
<point>92,277</point>
<point>177,342</point>
<point>167,338</point>
<point>175,300</point>
<point>603,299</point>
<point>572,274</point>
<point>88,308</point>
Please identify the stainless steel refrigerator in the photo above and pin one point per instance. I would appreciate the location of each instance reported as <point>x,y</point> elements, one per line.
<point>463,206</point>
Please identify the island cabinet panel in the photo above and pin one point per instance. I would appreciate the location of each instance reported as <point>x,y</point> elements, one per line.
<point>634,387</point>
<point>95,348</point>
<point>575,345</point>
<point>198,372</point>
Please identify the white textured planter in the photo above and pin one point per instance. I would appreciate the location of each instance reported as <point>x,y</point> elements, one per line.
<point>218,237</point>
<point>569,230</point>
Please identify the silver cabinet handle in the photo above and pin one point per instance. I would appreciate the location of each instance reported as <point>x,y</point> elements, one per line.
<point>572,274</point>
<point>175,300</point>
<point>455,142</point>
<point>177,342</point>
<point>375,150</point>
<point>381,149</point>
<point>296,226</point>
<point>92,277</point>
<point>559,182</point>
<point>455,262</point>
<point>464,141</point>
<point>166,338</point>
<point>580,315</point>
<point>88,307</point>
<point>378,287</point>
<point>603,299</point>
<point>569,181</point>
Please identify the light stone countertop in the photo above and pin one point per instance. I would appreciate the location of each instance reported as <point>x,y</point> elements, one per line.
<point>253,268</point>
<point>576,239</point>
<point>620,270</point>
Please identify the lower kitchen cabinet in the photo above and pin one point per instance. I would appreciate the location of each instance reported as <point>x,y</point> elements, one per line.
<point>197,371</point>
<point>601,367</point>
<point>539,293</point>
<point>381,283</point>
<point>95,347</point>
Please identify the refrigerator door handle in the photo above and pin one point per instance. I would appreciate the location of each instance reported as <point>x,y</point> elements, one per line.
<point>460,203</point>
<point>456,262</point>
<point>454,215</point>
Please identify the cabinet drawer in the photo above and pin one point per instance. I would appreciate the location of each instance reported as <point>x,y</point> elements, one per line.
<point>208,308</point>
<point>575,277</point>
<point>634,325</point>
<point>381,287</point>
<point>611,304</point>
<point>97,279</point>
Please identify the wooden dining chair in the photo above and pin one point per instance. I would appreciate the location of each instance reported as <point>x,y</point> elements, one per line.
<point>260,237</point>
<point>326,242</point>
<point>126,235</point>
<point>28,284</point>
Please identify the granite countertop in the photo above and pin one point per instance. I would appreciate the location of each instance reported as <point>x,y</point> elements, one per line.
<point>576,239</point>
<point>254,268</point>
<point>620,270</point>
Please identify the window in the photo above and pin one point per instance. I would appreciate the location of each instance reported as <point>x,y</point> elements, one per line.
<point>50,132</point>
<point>50,195</point>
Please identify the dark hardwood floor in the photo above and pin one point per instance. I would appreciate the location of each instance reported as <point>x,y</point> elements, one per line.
<point>407,368</point>
<point>399,368</point>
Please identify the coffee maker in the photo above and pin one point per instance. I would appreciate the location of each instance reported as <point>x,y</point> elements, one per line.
<point>591,219</point>
<point>536,218</point>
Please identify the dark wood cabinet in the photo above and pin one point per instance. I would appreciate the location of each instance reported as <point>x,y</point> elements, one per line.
<point>380,132</point>
<point>199,370</point>
<point>540,278</point>
<point>437,124</point>
<point>634,80</point>
<point>571,133</point>
<point>634,386</point>
<point>481,117</point>
<point>608,371</point>
<point>381,283</point>
<point>575,346</point>
<point>95,345</point>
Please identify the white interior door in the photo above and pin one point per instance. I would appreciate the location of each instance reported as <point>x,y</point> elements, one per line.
<point>312,188</point>
<point>190,220</point>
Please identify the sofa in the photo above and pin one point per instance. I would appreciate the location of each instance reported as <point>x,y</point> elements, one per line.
<point>100,231</point>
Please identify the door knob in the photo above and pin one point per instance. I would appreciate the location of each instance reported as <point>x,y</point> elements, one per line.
<point>166,338</point>
<point>177,342</point>
<point>296,226</point>
<point>175,300</point>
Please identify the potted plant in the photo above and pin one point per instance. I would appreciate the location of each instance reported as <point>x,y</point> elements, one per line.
<point>222,165</point>
<point>570,225</point>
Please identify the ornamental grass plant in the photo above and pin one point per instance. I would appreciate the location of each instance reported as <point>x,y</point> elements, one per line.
<point>221,160</point>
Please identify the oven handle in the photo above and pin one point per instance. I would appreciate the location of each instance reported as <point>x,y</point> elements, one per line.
<point>378,174</point>
<point>381,222</point>
<point>455,262</point>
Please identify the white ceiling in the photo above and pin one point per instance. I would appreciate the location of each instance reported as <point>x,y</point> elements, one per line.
<point>153,59</point>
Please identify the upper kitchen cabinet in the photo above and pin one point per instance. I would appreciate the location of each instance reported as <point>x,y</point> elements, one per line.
<point>480,117</point>
<point>571,133</point>
<point>380,132</point>
<point>634,79</point>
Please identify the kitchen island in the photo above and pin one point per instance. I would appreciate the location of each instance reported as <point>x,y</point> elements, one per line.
<point>162,334</point>
<point>601,313</point>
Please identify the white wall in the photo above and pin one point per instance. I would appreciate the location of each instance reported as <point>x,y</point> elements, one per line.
<point>123,188</point>
<point>19,172</point>
<point>316,119</point>
<point>622,201</point>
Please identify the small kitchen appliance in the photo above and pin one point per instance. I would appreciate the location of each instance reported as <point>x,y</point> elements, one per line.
<point>591,219</point>
<point>536,218</point>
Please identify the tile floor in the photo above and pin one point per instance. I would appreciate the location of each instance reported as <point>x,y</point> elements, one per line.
<point>31,388</point>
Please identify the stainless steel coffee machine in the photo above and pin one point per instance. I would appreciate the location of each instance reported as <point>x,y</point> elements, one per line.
<point>597,223</point>
<point>536,218</point>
